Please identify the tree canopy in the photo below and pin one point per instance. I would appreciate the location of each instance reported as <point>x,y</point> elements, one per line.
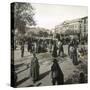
<point>23,15</point>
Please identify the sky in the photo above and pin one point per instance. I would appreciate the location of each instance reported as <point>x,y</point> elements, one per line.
<point>48,16</point>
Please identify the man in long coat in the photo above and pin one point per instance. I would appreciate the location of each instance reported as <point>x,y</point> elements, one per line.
<point>60,45</point>
<point>74,55</point>
<point>54,53</point>
<point>22,48</point>
<point>34,68</point>
<point>56,73</point>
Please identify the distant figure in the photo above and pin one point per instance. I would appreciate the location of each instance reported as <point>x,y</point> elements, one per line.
<point>61,50</point>
<point>34,68</point>
<point>54,53</point>
<point>82,78</point>
<point>50,46</point>
<point>56,74</point>
<point>74,55</point>
<point>22,49</point>
<point>29,45</point>
<point>70,48</point>
<point>72,43</point>
<point>71,51</point>
<point>34,47</point>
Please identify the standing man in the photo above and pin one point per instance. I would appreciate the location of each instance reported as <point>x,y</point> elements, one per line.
<point>22,48</point>
<point>70,48</point>
<point>74,55</point>
<point>56,74</point>
<point>29,45</point>
<point>34,68</point>
<point>61,50</point>
<point>55,48</point>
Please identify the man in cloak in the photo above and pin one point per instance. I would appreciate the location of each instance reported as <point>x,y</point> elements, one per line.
<point>34,68</point>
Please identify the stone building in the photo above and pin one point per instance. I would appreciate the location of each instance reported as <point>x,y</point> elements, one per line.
<point>84,27</point>
<point>76,27</point>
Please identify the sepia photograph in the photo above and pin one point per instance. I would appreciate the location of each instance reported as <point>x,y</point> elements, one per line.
<point>49,44</point>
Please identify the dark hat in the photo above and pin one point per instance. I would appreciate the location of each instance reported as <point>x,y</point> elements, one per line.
<point>54,60</point>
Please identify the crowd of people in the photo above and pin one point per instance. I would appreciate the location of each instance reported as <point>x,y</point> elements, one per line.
<point>40,46</point>
<point>56,48</point>
<point>56,72</point>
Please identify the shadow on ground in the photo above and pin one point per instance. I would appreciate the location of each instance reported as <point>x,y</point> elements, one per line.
<point>34,85</point>
<point>21,81</point>
<point>44,75</point>
<point>18,65</point>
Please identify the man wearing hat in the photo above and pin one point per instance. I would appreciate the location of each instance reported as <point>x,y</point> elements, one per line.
<point>56,73</point>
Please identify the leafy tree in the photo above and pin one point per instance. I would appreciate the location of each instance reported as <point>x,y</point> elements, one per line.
<point>41,33</point>
<point>23,15</point>
<point>45,34</point>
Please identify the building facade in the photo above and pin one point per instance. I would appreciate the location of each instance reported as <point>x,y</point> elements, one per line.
<point>75,27</point>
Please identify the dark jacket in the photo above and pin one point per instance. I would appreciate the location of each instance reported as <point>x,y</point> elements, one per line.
<point>56,73</point>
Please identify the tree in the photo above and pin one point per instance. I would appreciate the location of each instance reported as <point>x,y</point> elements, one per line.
<point>45,34</point>
<point>23,15</point>
<point>41,33</point>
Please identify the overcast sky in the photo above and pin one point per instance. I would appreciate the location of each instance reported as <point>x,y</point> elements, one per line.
<point>48,16</point>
